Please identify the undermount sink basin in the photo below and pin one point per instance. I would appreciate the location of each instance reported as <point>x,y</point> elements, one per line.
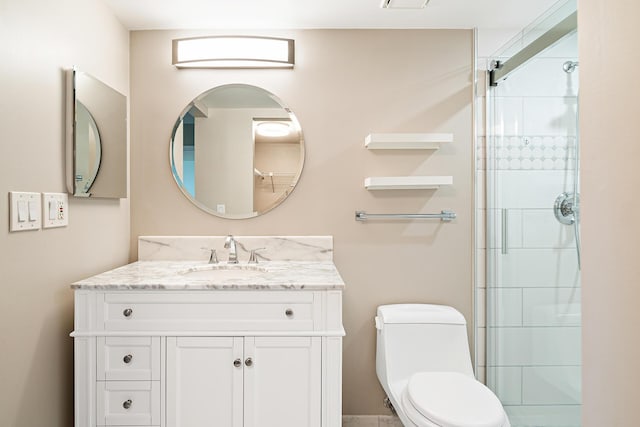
<point>222,272</point>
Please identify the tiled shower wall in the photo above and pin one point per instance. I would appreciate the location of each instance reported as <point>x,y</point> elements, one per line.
<point>528,301</point>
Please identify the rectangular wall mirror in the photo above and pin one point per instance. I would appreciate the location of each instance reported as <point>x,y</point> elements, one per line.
<point>96,138</point>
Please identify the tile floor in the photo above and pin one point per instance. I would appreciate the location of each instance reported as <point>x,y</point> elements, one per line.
<point>370,421</point>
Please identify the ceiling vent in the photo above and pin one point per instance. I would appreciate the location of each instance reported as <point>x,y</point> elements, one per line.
<point>404,4</point>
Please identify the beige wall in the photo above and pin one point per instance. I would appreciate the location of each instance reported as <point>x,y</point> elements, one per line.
<point>40,38</point>
<point>346,84</point>
<point>609,127</point>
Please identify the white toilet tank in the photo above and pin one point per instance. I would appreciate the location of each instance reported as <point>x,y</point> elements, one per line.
<point>420,338</point>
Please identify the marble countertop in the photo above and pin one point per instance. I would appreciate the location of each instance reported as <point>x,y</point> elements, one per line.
<point>192,275</point>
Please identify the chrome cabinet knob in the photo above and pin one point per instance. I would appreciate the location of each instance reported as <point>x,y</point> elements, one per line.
<point>288,312</point>
<point>127,312</point>
<point>127,358</point>
<point>248,361</point>
<point>127,404</point>
<point>237,363</point>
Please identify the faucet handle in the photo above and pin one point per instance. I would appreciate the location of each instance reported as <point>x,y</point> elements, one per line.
<point>213,258</point>
<point>253,258</point>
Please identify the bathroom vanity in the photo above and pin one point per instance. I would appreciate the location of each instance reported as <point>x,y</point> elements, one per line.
<point>187,343</point>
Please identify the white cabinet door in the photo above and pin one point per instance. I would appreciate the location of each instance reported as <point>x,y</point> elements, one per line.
<point>204,387</point>
<point>282,384</point>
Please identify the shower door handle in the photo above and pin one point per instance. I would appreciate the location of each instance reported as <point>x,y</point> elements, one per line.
<point>505,228</point>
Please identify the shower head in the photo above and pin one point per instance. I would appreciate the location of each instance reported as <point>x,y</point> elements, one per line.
<point>570,66</point>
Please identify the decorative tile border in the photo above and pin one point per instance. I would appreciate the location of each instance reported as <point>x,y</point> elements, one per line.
<point>529,153</point>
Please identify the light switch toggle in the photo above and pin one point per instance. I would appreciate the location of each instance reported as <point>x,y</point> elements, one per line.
<point>22,211</point>
<point>34,210</point>
<point>53,210</point>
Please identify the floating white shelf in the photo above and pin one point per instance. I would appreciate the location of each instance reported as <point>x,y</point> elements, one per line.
<point>406,141</point>
<point>406,182</point>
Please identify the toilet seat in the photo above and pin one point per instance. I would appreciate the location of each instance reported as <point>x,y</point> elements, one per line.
<point>451,399</point>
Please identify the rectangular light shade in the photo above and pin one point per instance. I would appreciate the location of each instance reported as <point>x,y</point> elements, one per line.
<point>233,52</point>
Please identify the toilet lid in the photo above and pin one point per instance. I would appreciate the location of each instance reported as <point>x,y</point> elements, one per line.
<point>451,399</point>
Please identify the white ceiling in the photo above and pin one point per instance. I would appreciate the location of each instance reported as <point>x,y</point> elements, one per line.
<point>297,14</point>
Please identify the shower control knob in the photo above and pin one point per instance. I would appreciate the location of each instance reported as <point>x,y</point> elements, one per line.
<point>127,312</point>
<point>127,404</point>
<point>127,359</point>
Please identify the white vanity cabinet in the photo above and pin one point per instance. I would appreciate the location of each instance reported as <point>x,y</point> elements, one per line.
<point>200,358</point>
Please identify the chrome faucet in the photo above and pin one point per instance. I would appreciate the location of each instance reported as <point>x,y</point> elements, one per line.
<point>230,243</point>
<point>213,258</point>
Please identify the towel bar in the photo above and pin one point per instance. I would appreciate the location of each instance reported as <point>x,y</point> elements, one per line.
<point>443,215</point>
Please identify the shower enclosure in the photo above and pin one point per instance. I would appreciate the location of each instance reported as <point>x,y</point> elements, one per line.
<point>533,324</point>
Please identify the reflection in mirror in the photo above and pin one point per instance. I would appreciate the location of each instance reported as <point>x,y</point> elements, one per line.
<point>96,138</point>
<point>88,149</point>
<point>237,151</point>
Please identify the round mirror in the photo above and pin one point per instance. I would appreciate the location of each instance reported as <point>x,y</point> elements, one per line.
<point>237,151</point>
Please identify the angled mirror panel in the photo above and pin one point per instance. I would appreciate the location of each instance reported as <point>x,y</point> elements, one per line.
<point>96,138</point>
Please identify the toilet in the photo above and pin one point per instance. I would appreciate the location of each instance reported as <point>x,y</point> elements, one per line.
<point>424,365</point>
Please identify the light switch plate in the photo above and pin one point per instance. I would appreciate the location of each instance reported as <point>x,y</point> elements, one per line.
<point>30,217</point>
<point>55,210</point>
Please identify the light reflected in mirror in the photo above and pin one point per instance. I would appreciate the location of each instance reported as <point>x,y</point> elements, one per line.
<point>237,151</point>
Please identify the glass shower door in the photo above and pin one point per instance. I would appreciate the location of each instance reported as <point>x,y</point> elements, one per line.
<point>533,277</point>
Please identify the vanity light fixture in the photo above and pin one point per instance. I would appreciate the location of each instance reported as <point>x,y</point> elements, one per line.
<point>233,52</point>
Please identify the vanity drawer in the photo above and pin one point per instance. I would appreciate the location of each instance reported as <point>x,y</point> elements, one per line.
<point>128,358</point>
<point>128,403</point>
<point>211,311</point>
